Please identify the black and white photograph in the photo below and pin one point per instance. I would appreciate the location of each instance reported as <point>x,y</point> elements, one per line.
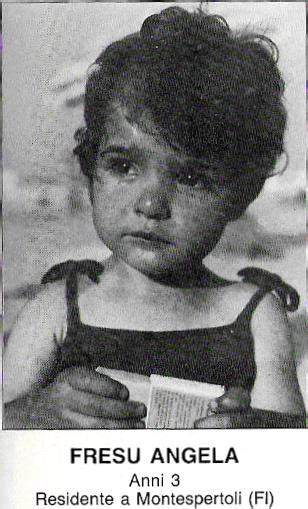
<point>154,216</point>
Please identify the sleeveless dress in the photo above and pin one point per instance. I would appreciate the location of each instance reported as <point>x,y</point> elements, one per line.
<point>221,355</point>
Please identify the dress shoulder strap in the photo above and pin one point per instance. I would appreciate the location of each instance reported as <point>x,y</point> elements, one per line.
<point>267,282</point>
<point>70,271</point>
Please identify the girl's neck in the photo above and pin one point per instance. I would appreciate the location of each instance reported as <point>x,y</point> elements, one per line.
<point>142,284</point>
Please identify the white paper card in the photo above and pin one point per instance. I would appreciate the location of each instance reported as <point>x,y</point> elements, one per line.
<point>172,403</point>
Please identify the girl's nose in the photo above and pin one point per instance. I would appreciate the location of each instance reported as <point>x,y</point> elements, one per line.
<point>153,204</point>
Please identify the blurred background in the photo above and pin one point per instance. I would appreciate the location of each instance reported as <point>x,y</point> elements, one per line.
<point>46,206</point>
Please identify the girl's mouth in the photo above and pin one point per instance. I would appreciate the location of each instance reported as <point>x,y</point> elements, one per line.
<point>148,238</point>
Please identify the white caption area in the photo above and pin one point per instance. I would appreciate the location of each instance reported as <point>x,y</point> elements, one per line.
<point>270,461</point>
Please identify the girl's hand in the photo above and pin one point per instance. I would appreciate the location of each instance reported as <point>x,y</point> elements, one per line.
<point>234,399</point>
<point>78,398</point>
<point>252,418</point>
<point>232,410</point>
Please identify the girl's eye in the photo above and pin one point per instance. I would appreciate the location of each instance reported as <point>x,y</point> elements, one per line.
<point>192,180</point>
<point>120,167</point>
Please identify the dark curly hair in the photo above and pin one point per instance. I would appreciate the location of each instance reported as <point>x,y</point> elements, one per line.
<point>215,93</point>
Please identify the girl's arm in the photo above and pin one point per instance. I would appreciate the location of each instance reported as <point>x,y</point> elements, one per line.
<point>276,400</point>
<point>276,387</point>
<point>31,351</point>
<point>37,396</point>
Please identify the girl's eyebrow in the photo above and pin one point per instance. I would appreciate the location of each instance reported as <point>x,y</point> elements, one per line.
<point>115,148</point>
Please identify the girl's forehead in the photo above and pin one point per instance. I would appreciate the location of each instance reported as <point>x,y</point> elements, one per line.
<point>138,130</point>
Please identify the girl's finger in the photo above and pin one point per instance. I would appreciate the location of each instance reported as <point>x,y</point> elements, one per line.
<point>115,424</point>
<point>99,406</point>
<point>234,399</point>
<point>79,421</point>
<point>88,380</point>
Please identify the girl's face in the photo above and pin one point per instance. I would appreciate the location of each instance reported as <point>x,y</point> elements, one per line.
<point>153,206</point>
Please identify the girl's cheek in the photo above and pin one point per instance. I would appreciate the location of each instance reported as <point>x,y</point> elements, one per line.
<point>204,208</point>
<point>109,196</point>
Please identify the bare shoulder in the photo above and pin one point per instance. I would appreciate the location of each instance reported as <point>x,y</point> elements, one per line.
<point>235,297</point>
<point>46,312</point>
<point>270,322</point>
<point>269,310</point>
<point>241,290</point>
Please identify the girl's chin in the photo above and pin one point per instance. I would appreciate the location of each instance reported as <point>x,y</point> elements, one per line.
<point>152,265</point>
<point>159,266</point>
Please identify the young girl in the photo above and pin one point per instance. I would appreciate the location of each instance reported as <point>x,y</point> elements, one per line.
<point>184,123</point>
